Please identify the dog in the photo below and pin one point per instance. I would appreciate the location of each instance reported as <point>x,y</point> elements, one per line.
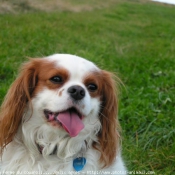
<point>60,116</point>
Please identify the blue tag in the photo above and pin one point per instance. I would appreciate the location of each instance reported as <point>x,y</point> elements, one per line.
<point>79,163</point>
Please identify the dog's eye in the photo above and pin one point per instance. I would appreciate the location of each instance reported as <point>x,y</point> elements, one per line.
<point>92,87</point>
<point>56,79</point>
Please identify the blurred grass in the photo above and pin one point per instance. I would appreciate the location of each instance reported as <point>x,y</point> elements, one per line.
<point>135,39</point>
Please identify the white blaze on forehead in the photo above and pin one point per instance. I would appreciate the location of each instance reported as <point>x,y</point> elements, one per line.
<point>77,66</point>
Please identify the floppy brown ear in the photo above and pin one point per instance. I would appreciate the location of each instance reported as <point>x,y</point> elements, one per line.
<point>14,103</point>
<point>109,134</point>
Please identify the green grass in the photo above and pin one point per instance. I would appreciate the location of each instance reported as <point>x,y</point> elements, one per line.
<point>132,38</point>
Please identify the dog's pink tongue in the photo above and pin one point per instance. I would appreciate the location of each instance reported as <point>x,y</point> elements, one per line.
<point>71,122</point>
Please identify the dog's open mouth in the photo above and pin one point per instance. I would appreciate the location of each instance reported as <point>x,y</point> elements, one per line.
<point>70,120</point>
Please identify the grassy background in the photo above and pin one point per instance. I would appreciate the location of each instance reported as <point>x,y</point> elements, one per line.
<point>134,38</point>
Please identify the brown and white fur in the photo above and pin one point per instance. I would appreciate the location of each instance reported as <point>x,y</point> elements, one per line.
<point>31,140</point>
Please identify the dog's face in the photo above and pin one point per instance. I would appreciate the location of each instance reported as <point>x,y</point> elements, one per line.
<point>62,96</point>
<point>68,91</point>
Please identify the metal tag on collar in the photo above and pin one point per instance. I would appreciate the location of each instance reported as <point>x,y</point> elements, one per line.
<point>80,161</point>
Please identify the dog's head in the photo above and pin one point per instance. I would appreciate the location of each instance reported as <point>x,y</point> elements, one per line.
<point>66,95</point>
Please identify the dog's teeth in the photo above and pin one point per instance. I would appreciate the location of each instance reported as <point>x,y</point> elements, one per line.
<point>55,116</point>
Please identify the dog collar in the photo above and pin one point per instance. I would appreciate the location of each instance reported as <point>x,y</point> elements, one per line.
<point>79,161</point>
<point>40,149</point>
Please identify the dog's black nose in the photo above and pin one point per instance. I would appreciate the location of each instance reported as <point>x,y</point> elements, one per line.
<point>76,92</point>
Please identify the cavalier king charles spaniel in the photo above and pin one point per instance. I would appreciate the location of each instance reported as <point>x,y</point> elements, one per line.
<point>60,116</point>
